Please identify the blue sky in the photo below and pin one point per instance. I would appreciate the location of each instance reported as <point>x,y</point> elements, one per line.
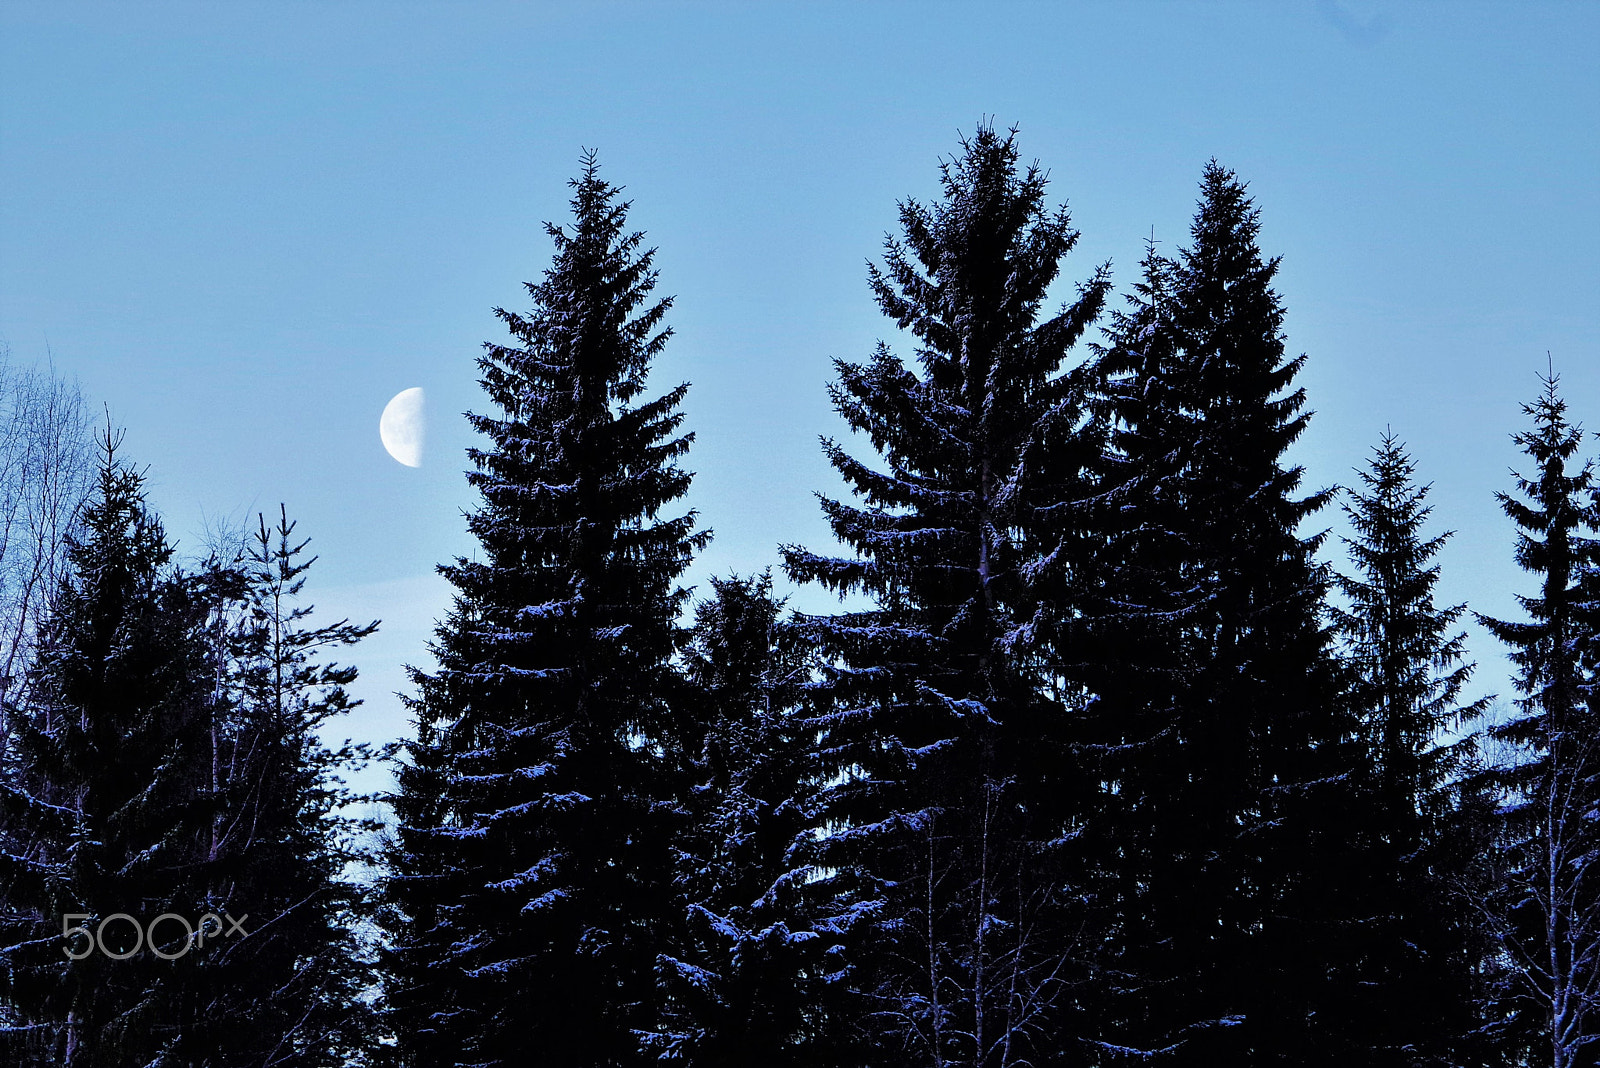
<point>246,227</point>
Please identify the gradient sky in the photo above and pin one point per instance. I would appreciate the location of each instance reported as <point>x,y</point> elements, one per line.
<point>246,227</point>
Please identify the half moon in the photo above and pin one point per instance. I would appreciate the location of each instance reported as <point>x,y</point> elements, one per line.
<point>403,427</point>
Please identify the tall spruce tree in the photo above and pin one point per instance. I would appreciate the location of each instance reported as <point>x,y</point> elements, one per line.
<point>1125,613</point>
<point>531,866</point>
<point>1228,763</point>
<point>1546,915</point>
<point>105,818</point>
<point>1422,943</point>
<point>941,854</point>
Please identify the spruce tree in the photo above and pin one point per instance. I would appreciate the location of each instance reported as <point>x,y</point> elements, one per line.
<point>745,986</point>
<point>1125,614</point>
<point>941,849</point>
<point>531,866</point>
<point>1422,942</point>
<point>105,818</point>
<point>169,767</point>
<point>1228,746</point>
<point>1546,915</point>
<point>293,991</point>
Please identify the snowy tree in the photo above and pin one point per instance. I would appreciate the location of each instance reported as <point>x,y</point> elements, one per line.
<point>745,987</point>
<point>1547,914</point>
<point>531,870</point>
<point>941,845</point>
<point>168,766</point>
<point>109,807</point>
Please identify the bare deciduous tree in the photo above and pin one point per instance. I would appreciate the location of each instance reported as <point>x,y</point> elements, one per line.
<point>44,475</point>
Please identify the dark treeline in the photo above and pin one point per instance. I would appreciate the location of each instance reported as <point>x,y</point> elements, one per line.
<point>1103,766</point>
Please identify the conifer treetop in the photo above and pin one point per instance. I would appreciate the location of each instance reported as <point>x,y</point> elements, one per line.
<point>1555,507</point>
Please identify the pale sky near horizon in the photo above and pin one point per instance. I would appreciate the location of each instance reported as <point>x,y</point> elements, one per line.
<point>245,227</point>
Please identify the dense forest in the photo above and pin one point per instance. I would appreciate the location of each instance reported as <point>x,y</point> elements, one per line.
<point>1101,762</point>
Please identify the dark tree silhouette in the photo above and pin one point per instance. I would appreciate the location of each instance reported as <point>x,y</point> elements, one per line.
<point>746,985</point>
<point>1423,944</point>
<point>1226,745</point>
<point>110,801</point>
<point>530,887</point>
<point>292,991</point>
<point>943,841</point>
<point>1547,914</point>
<point>168,766</point>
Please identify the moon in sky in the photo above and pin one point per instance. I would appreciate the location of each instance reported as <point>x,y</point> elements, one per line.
<point>403,426</point>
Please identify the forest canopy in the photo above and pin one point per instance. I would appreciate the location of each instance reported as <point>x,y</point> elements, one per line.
<point>1107,757</point>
